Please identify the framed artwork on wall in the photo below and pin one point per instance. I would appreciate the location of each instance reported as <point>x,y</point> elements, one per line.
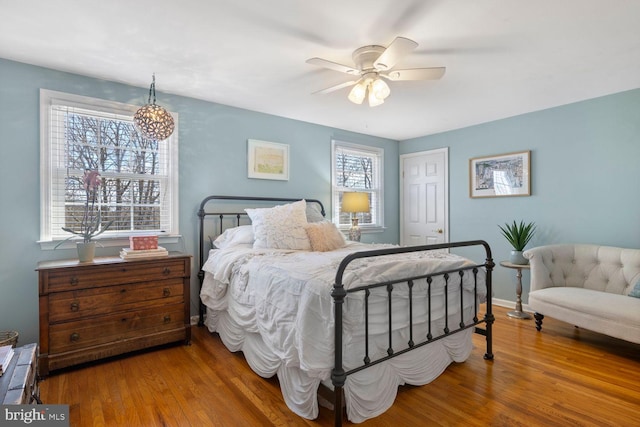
<point>268,160</point>
<point>500,175</point>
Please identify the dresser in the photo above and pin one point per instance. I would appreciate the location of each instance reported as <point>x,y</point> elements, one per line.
<point>111,306</point>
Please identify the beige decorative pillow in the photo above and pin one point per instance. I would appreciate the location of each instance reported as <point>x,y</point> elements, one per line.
<point>324,236</point>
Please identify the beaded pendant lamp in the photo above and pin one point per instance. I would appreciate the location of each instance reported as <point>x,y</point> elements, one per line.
<point>152,120</point>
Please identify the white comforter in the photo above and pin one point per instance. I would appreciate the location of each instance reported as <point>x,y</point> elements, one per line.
<point>276,307</point>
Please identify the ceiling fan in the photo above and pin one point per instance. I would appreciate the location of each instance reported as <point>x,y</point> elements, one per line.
<point>372,63</point>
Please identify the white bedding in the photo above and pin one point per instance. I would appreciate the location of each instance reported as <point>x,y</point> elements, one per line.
<point>275,306</point>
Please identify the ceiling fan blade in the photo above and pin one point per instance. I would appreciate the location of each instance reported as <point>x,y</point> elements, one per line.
<point>336,87</point>
<point>415,74</point>
<point>398,48</point>
<point>333,66</point>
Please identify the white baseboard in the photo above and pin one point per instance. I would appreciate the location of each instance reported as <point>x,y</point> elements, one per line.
<point>510,304</point>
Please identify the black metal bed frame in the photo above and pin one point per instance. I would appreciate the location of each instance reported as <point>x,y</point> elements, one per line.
<point>339,293</point>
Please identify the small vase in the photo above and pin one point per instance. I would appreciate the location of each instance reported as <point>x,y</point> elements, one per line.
<point>86,251</point>
<point>517,258</point>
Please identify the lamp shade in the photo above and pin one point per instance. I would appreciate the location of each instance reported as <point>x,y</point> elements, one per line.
<point>355,202</point>
<point>154,122</point>
<point>374,101</point>
<point>380,89</point>
<point>358,93</point>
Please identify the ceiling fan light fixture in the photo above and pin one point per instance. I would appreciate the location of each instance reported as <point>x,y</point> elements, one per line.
<point>374,63</point>
<point>358,93</point>
<point>152,120</point>
<point>374,101</point>
<point>380,89</point>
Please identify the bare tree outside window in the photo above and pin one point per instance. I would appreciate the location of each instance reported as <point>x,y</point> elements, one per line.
<point>128,164</point>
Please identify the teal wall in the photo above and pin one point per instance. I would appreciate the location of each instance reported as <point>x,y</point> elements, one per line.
<point>585,169</point>
<point>213,150</point>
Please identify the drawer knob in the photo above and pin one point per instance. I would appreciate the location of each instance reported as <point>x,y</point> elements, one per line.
<point>75,306</point>
<point>73,281</point>
<point>74,337</point>
<point>167,318</point>
<point>166,292</point>
<point>166,271</point>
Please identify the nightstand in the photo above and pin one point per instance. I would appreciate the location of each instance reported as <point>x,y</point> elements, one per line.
<point>517,313</point>
<point>19,383</point>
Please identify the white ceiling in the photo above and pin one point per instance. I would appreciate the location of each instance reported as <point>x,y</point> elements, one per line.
<point>503,58</point>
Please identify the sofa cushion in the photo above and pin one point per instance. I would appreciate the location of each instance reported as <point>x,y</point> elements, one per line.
<point>603,312</point>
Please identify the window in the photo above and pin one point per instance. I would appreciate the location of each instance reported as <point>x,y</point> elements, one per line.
<point>357,168</point>
<point>139,186</point>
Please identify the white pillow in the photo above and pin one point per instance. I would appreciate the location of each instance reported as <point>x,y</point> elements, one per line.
<point>280,227</point>
<point>313,212</point>
<point>235,236</point>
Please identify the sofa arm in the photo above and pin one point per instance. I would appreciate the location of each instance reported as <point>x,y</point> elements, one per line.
<point>541,263</point>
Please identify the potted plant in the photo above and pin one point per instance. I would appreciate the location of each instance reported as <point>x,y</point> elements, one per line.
<point>518,235</point>
<point>90,225</point>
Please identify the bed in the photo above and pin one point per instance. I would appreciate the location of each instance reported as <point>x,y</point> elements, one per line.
<point>281,284</point>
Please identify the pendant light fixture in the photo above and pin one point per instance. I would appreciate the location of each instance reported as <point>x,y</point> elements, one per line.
<point>152,120</point>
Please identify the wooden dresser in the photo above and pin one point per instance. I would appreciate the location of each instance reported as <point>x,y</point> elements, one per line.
<point>89,311</point>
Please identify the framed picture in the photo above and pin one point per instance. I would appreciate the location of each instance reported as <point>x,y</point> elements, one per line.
<point>500,176</point>
<point>268,160</point>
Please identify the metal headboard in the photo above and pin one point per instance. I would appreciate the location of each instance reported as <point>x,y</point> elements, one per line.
<point>202,214</point>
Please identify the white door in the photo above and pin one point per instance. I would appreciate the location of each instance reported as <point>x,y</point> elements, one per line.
<point>424,197</point>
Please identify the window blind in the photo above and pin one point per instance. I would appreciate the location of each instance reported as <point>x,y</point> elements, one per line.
<point>357,168</point>
<point>137,174</point>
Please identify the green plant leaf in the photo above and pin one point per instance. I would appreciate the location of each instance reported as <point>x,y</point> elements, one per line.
<point>518,235</point>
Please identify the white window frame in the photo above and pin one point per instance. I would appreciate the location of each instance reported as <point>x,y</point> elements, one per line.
<point>48,160</point>
<point>377,210</point>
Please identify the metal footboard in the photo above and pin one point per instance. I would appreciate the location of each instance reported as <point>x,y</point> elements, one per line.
<point>451,278</point>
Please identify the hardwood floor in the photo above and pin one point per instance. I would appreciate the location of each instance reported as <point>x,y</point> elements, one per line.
<point>563,376</point>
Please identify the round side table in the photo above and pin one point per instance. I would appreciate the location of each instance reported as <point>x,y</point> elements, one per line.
<point>517,313</point>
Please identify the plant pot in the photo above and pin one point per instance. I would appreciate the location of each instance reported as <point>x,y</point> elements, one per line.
<point>516,258</point>
<point>86,251</point>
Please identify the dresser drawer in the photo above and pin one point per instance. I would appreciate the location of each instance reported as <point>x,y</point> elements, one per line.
<point>74,305</point>
<point>70,336</point>
<point>92,276</point>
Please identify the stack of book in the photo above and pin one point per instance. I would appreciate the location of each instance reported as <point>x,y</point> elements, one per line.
<point>143,247</point>
<point>6,353</point>
<point>128,253</point>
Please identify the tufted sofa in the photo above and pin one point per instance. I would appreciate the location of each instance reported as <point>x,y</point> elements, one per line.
<point>587,286</point>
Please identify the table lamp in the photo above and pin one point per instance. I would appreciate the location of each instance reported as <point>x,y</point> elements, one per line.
<point>354,203</point>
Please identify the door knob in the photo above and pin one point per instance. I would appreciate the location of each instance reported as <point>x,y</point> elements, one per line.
<point>439,231</point>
